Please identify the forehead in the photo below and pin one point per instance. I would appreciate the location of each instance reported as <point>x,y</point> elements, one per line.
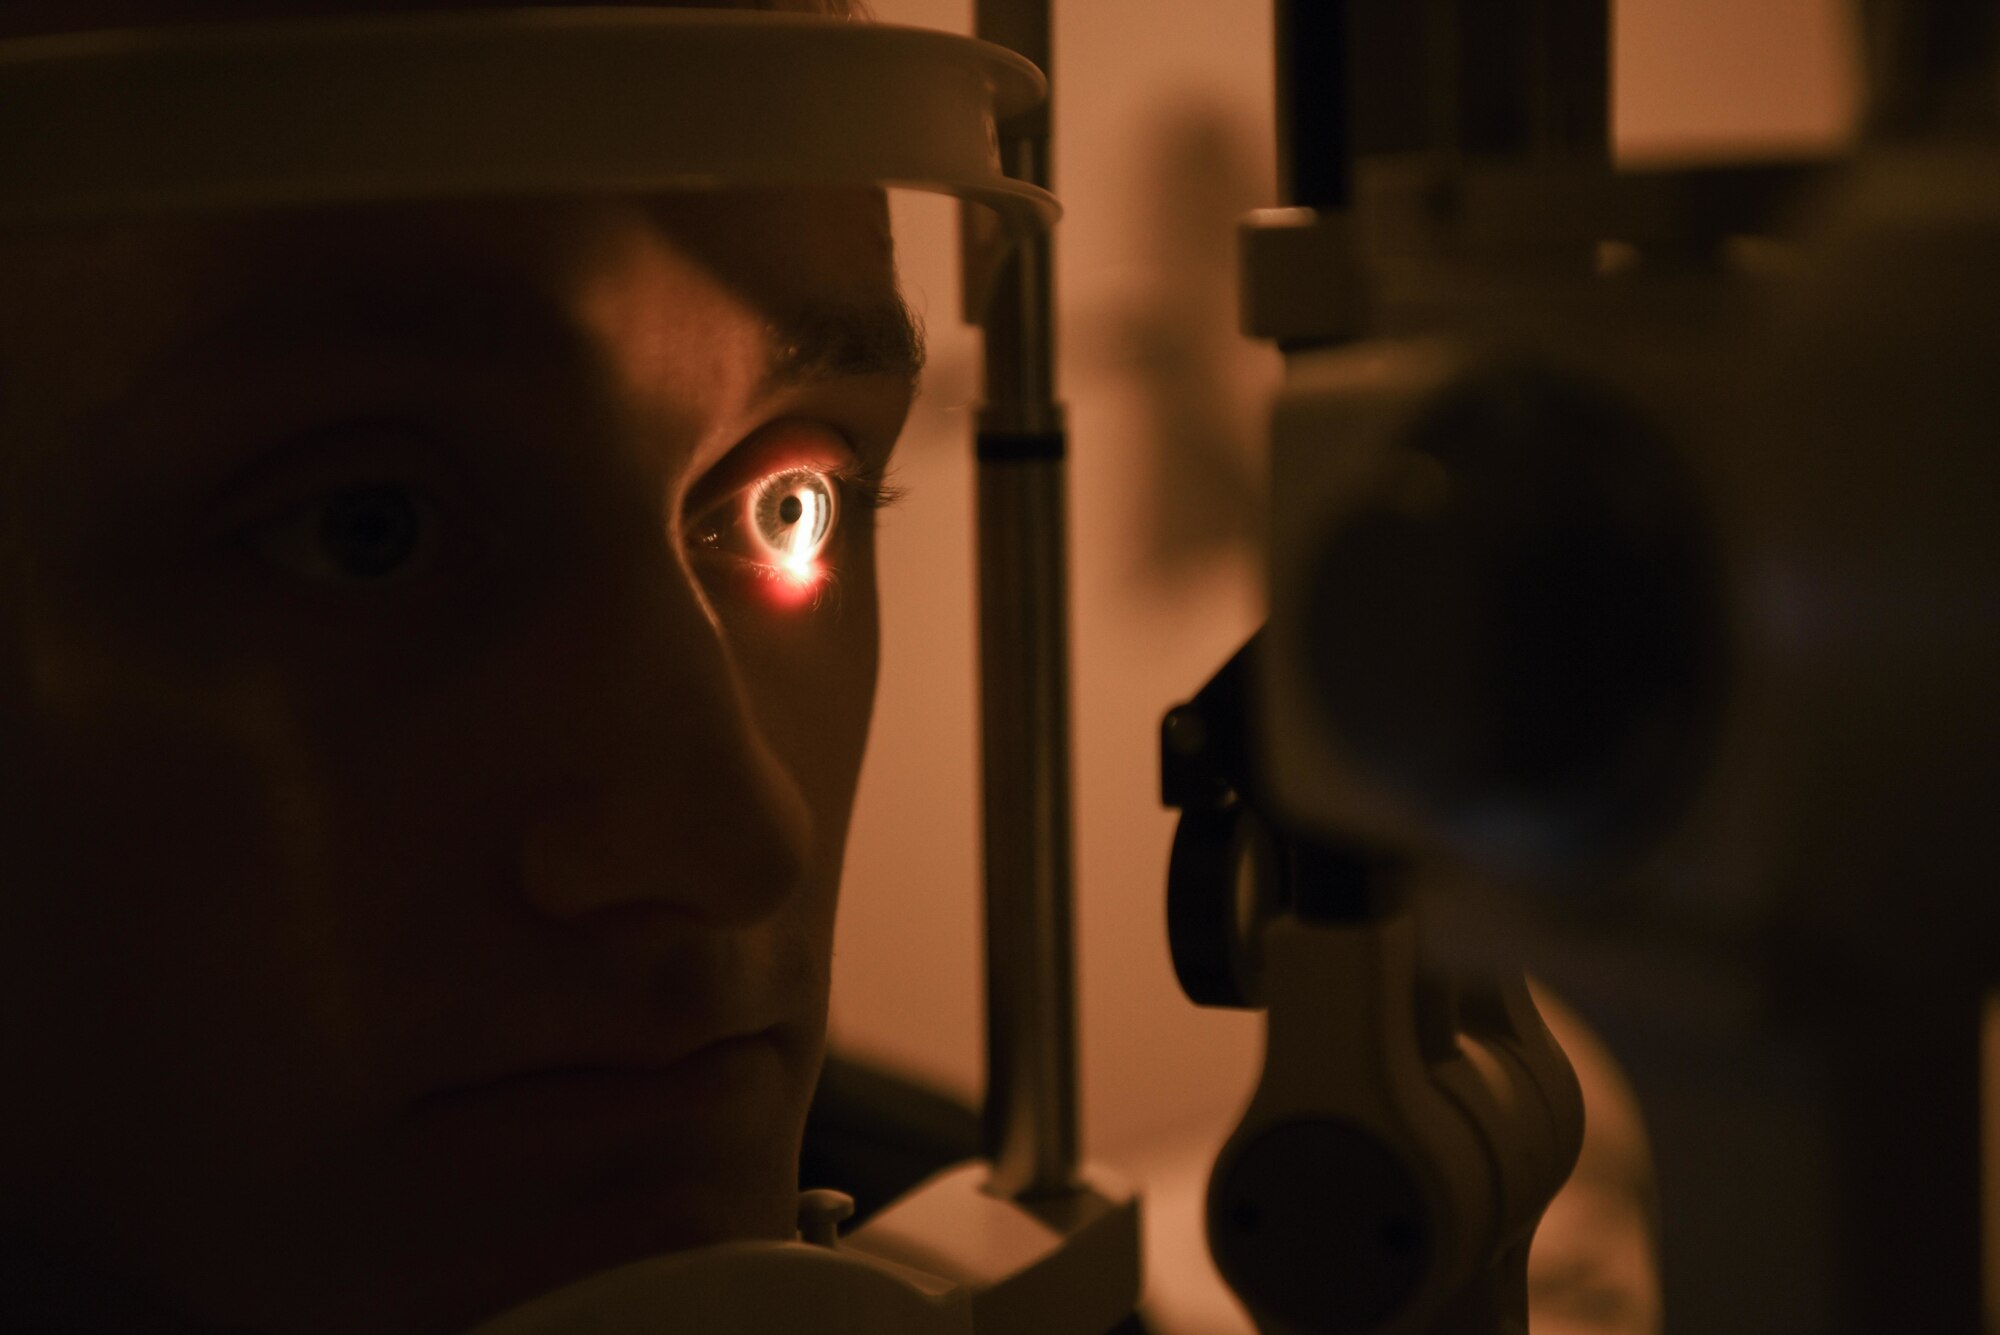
<point>725,290</point>
<point>768,244</point>
<point>775,249</point>
<point>781,252</point>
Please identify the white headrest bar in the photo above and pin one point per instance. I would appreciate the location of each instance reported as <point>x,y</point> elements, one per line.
<point>498,103</point>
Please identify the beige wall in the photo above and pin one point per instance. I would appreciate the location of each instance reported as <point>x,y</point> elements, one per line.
<point>1163,139</point>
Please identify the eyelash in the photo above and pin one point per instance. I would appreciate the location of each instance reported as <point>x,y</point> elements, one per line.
<point>870,492</point>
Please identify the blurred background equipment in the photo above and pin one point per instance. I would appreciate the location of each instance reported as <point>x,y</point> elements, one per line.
<point>1632,566</point>
<point>1410,1127</point>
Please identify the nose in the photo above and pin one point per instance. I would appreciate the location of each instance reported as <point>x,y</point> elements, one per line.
<point>664,794</point>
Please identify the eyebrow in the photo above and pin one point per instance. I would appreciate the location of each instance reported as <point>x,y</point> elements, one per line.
<point>826,341</point>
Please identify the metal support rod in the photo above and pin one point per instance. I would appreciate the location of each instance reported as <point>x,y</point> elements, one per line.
<point>1031,1063</point>
<point>1315,134</point>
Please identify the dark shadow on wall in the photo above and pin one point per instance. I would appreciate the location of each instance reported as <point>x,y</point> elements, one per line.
<point>1200,387</point>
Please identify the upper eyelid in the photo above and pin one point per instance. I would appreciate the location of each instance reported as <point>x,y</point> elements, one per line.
<point>772,449</point>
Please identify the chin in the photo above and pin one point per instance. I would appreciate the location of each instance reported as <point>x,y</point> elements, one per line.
<point>495,1198</point>
<point>647,1214</point>
<point>437,1253</point>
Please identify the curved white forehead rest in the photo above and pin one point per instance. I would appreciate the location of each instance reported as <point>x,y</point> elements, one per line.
<point>489,104</point>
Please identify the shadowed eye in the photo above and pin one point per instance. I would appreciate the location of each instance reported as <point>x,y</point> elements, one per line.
<point>364,535</point>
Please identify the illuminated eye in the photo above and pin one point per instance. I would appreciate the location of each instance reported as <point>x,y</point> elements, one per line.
<point>791,516</point>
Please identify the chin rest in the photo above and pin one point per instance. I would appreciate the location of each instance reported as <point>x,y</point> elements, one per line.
<point>875,1134</point>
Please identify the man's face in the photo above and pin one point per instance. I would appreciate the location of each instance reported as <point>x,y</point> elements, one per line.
<point>430,706</point>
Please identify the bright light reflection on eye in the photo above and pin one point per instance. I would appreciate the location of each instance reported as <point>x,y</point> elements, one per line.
<point>791,516</point>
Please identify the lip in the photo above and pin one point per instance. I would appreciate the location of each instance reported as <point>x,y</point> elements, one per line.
<point>700,1073</point>
<point>563,1117</point>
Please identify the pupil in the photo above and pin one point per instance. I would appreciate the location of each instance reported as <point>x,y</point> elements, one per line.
<point>370,532</point>
<point>790,509</point>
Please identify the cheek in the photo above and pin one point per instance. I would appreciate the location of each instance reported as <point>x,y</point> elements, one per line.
<point>173,984</point>
<point>809,672</point>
